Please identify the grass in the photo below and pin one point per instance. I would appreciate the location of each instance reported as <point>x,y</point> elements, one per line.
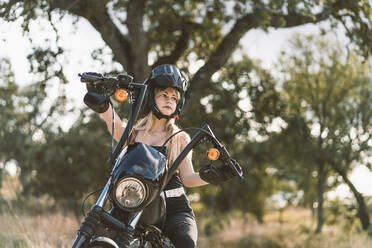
<point>47,230</point>
<point>296,231</point>
<point>32,223</point>
<point>294,228</point>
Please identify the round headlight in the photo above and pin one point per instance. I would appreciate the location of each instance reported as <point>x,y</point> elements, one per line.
<point>130,192</point>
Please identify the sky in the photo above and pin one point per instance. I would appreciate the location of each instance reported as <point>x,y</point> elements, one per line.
<point>81,40</point>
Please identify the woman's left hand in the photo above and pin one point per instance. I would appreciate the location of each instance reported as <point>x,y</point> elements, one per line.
<point>216,175</point>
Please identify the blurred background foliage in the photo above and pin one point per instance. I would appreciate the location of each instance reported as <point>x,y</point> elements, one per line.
<point>298,133</point>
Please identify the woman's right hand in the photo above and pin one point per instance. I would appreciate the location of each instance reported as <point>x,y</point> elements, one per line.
<point>95,98</point>
<point>96,102</point>
<point>91,87</point>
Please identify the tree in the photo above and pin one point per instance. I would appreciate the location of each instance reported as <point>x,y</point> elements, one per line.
<point>70,164</point>
<point>64,164</point>
<point>6,109</point>
<point>142,34</point>
<point>330,91</point>
<point>26,116</point>
<point>16,115</point>
<point>174,31</point>
<point>225,106</point>
<point>292,158</point>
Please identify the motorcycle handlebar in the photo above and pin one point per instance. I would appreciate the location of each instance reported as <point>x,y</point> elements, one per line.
<point>121,81</point>
<point>126,81</point>
<point>224,154</point>
<point>206,132</point>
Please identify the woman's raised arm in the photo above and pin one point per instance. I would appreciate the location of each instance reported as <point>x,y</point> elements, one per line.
<point>118,123</point>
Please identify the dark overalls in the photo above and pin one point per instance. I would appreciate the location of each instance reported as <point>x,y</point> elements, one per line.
<point>180,225</point>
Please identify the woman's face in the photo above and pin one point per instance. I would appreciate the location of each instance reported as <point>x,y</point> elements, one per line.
<point>166,100</point>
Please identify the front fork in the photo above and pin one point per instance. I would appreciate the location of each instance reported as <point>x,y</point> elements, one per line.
<point>97,215</point>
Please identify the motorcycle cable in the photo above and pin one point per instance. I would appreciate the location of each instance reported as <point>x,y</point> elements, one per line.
<point>111,153</point>
<point>86,198</point>
<point>112,147</point>
<point>112,129</point>
<point>131,99</point>
<point>185,129</point>
<point>108,95</point>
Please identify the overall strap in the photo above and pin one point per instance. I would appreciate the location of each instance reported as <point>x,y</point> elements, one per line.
<point>132,136</point>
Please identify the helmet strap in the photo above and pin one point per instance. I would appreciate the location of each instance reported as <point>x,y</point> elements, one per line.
<point>157,112</point>
<point>160,115</point>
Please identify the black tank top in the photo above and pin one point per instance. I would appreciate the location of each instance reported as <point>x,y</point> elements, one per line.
<point>179,203</point>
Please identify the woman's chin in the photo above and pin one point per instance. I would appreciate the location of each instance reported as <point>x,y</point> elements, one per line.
<point>166,112</point>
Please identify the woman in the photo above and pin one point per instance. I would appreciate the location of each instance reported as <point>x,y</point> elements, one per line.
<point>165,100</point>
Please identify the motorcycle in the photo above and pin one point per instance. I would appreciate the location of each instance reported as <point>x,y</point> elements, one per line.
<point>134,190</point>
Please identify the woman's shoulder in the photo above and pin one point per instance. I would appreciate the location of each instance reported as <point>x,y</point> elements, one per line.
<point>184,139</point>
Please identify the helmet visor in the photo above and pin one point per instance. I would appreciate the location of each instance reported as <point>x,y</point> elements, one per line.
<point>164,81</point>
<point>168,76</point>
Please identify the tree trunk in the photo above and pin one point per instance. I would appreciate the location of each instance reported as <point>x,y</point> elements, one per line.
<point>321,186</point>
<point>362,208</point>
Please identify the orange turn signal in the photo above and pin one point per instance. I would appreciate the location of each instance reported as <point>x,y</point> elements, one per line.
<point>121,95</point>
<point>213,154</point>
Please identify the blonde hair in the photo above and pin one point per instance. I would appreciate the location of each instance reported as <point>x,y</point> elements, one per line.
<point>175,144</point>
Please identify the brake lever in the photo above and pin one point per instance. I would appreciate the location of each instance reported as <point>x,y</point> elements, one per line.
<point>237,168</point>
<point>227,160</point>
<point>88,78</point>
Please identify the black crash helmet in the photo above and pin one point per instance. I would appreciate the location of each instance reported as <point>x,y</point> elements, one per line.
<point>164,76</point>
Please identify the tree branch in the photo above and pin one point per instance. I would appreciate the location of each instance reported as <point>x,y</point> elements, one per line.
<point>362,208</point>
<point>256,19</point>
<point>179,49</point>
<point>188,28</point>
<point>96,13</point>
<point>219,57</point>
<point>295,19</point>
